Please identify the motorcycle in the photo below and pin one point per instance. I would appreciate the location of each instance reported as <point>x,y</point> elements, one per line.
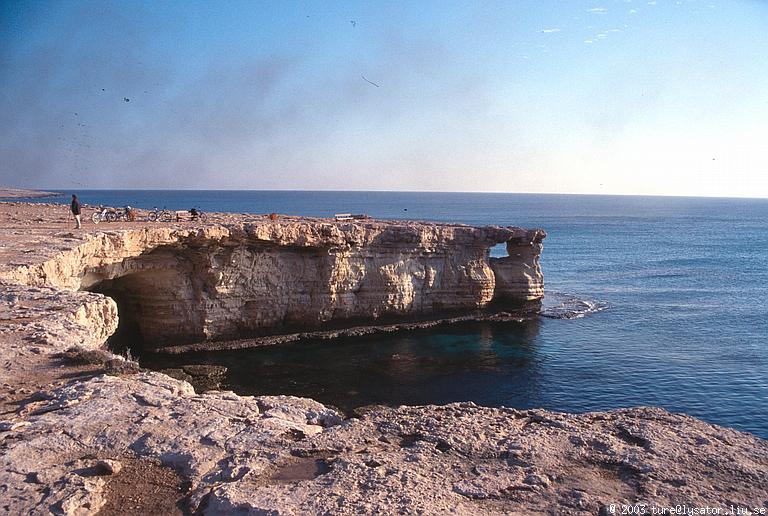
<point>164,215</point>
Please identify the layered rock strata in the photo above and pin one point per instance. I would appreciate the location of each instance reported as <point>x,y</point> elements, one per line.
<point>518,277</point>
<point>68,449</point>
<point>227,281</point>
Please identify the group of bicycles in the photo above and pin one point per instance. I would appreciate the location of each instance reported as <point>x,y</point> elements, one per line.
<point>128,214</point>
<point>170,216</point>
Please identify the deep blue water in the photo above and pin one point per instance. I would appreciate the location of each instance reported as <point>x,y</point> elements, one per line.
<point>684,280</point>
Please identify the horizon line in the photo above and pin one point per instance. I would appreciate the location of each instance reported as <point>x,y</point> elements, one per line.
<point>62,191</point>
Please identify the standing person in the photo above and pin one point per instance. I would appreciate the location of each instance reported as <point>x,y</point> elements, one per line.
<point>75,207</point>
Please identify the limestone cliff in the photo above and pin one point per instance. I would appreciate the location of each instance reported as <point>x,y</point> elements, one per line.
<point>177,285</point>
<point>518,275</point>
<point>74,443</point>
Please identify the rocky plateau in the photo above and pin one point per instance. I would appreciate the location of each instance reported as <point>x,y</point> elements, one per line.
<point>106,436</point>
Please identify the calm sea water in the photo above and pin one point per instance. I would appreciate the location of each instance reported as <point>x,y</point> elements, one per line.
<point>684,283</point>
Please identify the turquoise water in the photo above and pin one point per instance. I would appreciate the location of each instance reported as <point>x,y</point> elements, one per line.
<point>684,284</point>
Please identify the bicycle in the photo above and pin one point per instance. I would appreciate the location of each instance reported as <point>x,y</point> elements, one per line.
<point>108,214</point>
<point>160,215</point>
<point>197,215</point>
<point>104,213</point>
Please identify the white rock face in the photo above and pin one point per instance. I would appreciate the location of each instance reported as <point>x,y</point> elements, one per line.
<point>49,320</point>
<point>247,279</point>
<point>148,415</point>
<point>287,455</point>
<point>61,448</point>
<point>518,275</point>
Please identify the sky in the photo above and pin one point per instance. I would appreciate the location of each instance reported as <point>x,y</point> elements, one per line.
<point>664,97</point>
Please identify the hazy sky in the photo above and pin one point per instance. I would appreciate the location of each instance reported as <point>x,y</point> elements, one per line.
<point>602,96</point>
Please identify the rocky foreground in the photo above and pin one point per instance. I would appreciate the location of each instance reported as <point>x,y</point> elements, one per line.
<point>101,435</point>
<point>275,455</point>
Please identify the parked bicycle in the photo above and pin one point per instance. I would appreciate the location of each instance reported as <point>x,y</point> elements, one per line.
<point>104,213</point>
<point>198,215</point>
<point>108,214</point>
<point>164,215</point>
<point>160,215</point>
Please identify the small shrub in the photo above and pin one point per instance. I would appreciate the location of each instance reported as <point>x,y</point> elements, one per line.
<point>111,364</point>
<point>83,356</point>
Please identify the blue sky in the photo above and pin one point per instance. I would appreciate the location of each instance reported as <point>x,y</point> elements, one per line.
<point>612,96</point>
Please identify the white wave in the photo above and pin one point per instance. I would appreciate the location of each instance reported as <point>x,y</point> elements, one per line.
<point>559,305</point>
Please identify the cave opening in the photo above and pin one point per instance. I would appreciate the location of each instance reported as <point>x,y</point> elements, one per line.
<point>498,251</point>
<point>180,297</point>
<point>152,310</point>
<point>155,297</point>
<point>128,339</point>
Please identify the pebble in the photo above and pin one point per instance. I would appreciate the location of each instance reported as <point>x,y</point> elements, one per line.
<point>109,467</point>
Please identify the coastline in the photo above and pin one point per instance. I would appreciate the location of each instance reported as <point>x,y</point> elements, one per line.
<point>289,454</point>
<point>22,193</point>
<point>347,332</point>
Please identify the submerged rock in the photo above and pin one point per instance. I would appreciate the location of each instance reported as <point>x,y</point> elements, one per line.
<point>205,377</point>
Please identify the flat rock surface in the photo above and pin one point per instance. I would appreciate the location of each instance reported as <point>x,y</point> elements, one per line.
<point>286,455</point>
<point>34,233</point>
<point>76,441</point>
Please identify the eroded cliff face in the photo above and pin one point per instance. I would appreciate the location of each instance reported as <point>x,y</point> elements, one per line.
<point>219,282</point>
<point>518,275</point>
<point>76,444</point>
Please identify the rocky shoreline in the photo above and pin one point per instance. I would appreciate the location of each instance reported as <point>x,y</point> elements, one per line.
<point>22,193</point>
<point>352,331</point>
<point>80,438</point>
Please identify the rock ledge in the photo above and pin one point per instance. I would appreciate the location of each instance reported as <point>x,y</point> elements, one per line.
<point>65,446</point>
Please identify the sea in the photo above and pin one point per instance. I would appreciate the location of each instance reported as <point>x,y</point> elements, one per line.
<point>659,301</point>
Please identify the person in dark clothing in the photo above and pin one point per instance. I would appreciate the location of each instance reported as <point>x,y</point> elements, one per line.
<point>75,207</point>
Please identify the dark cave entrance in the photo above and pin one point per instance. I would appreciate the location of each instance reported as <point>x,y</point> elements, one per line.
<point>158,299</point>
<point>128,338</point>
